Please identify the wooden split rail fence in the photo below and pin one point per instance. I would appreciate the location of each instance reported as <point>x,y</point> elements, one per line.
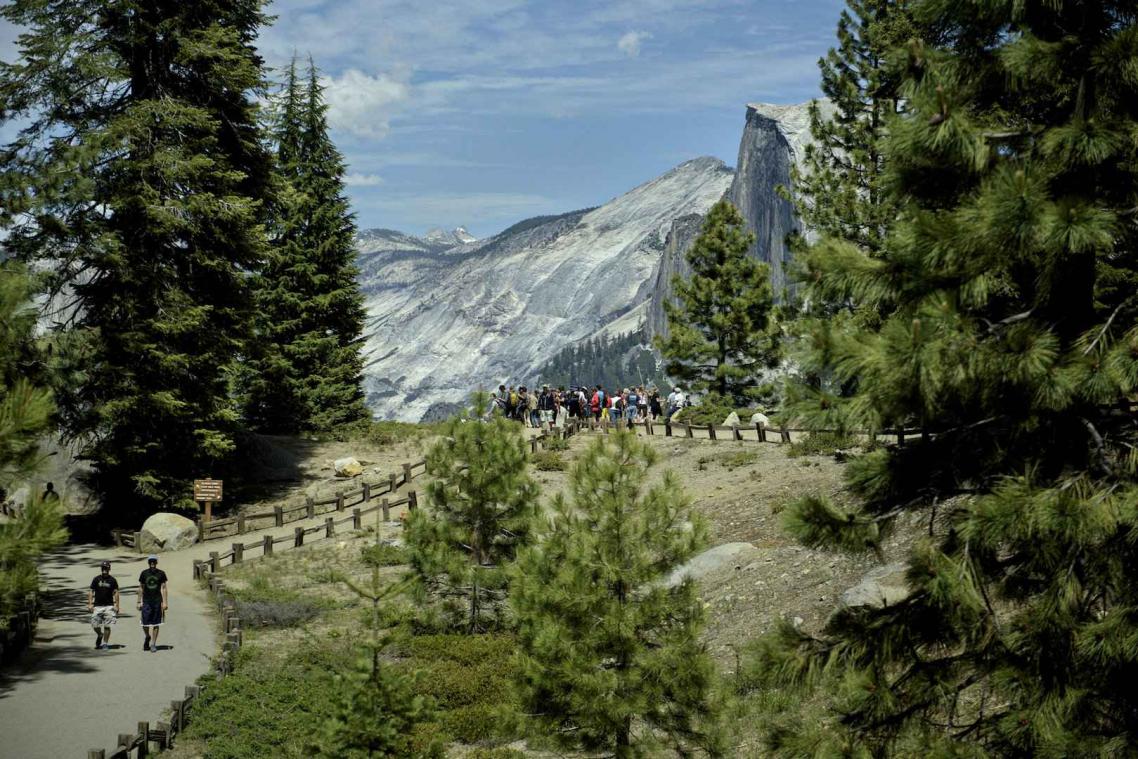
<point>762,434</point>
<point>219,529</point>
<point>18,629</point>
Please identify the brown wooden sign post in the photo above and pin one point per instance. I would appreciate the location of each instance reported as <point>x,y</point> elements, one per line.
<point>208,492</point>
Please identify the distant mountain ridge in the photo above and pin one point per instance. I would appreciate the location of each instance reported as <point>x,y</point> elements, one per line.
<point>449,313</point>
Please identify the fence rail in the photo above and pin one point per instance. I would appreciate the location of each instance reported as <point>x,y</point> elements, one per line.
<point>219,529</point>
<point>18,629</point>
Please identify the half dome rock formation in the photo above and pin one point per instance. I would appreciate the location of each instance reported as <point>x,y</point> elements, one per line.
<point>444,321</point>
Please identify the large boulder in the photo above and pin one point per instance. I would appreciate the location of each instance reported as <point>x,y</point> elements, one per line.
<point>761,419</point>
<point>725,558</point>
<point>347,467</point>
<point>880,587</point>
<point>732,420</point>
<point>167,532</point>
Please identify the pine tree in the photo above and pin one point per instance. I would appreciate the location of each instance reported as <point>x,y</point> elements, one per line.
<point>842,197</point>
<point>25,416</point>
<point>482,507</point>
<point>721,331</point>
<point>307,372</point>
<point>376,709</point>
<point>139,178</point>
<point>610,654</point>
<point>1011,342</point>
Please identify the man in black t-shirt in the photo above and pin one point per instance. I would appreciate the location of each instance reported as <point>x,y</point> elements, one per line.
<point>152,602</point>
<point>103,603</point>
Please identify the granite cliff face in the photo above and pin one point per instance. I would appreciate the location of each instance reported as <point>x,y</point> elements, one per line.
<point>774,139</point>
<point>443,321</point>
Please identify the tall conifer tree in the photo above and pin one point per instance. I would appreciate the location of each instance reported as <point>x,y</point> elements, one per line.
<point>721,332</point>
<point>1011,340</point>
<point>611,658</point>
<point>841,193</point>
<point>306,372</point>
<point>139,177</point>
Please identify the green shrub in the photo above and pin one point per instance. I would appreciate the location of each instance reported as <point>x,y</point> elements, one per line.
<point>268,706</point>
<point>556,444</point>
<point>821,444</point>
<point>547,461</point>
<point>495,753</point>
<point>384,555</point>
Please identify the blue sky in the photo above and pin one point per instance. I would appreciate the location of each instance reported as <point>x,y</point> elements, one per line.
<point>483,112</point>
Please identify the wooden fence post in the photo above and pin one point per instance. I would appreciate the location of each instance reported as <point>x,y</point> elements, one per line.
<point>392,482</point>
<point>138,541</point>
<point>357,520</point>
<point>298,537</point>
<point>213,562</point>
<point>667,428</point>
<point>386,509</point>
<point>278,515</point>
<point>238,553</point>
<point>329,527</point>
<point>900,437</point>
<point>687,426</point>
<point>784,433</point>
<point>412,501</point>
<point>533,445</point>
<point>367,492</point>
<point>406,473</point>
<point>240,524</point>
<point>309,507</point>
<point>340,503</point>
<point>267,546</point>
<point>144,734</point>
<point>761,432</point>
<point>711,431</point>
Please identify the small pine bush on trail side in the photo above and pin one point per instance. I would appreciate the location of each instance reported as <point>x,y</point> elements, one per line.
<point>610,657</point>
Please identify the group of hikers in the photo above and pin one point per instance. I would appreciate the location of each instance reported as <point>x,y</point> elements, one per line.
<point>554,406</point>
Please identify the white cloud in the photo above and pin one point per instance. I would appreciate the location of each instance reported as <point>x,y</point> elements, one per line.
<point>629,44</point>
<point>363,180</point>
<point>363,104</point>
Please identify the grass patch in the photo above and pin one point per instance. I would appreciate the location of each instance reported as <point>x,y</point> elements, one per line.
<point>547,461</point>
<point>821,444</point>
<point>384,555</point>
<point>739,459</point>
<point>265,604</point>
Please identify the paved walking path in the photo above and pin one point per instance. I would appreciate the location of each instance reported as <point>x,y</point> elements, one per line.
<point>63,697</point>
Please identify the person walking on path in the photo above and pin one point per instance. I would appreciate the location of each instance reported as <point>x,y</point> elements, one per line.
<point>103,603</point>
<point>152,601</point>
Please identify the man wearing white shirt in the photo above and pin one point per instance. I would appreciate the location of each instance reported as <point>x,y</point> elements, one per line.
<point>675,402</point>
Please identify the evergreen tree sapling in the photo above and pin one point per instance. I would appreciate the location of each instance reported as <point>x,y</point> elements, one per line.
<point>376,710</point>
<point>610,655</point>
<point>138,178</point>
<point>1012,340</point>
<point>306,371</point>
<point>25,416</point>
<point>721,330</point>
<point>483,503</point>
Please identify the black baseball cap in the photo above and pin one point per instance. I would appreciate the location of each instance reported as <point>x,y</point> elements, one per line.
<point>105,565</point>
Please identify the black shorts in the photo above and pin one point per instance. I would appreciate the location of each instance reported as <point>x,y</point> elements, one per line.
<point>151,613</point>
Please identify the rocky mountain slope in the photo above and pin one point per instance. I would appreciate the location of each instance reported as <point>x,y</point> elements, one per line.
<point>449,313</point>
<point>447,319</point>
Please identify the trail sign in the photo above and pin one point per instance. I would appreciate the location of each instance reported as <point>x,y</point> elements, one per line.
<point>207,490</point>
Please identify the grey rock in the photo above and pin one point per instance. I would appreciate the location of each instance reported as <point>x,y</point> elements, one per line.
<point>878,588</point>
<point>762,419</point>
<point>347,467</point>
<point>715,562</point>
<point>167,532</point>
<point>732,420</point>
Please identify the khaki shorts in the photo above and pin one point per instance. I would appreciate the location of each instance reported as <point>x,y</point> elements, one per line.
<point>103,616</point>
